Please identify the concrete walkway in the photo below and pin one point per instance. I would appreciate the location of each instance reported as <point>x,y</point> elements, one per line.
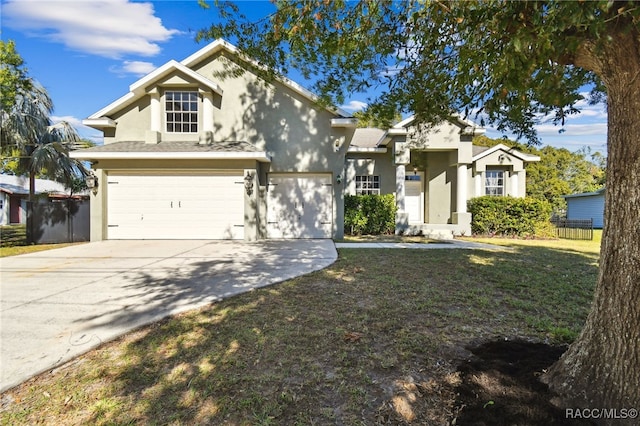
<point>58,304</point>
<point>449,244</point>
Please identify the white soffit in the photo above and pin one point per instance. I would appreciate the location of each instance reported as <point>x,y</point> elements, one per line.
<point>213,155</point>
<point>368,150</point>
<point>344,122</point>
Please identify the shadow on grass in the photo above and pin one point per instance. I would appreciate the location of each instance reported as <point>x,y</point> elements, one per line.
<point>377,337</point>
<point>282,355</point>
<point>500,385</point>
<point>13,235</point>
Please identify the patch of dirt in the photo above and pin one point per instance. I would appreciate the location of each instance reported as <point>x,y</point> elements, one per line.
<point>501,386</point>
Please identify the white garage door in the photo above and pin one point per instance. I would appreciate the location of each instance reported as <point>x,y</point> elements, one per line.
<point>300,206</point>
<point>158,206</point>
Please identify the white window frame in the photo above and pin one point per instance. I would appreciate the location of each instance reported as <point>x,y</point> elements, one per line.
<point>367,184</point>
<point>494,183</point>
<point>181,111</point>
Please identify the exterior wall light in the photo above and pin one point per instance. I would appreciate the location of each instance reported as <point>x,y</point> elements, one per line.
<point>339,178</point>
<point>92,183</point>
<point>248,183</point>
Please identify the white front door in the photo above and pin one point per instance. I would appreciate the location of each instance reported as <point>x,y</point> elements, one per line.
<point>299,206</point>
<point>414,197</point>
<point>175,206</point>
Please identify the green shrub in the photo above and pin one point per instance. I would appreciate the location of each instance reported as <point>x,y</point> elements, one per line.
<point>369,214</point>
<point>509,216</point>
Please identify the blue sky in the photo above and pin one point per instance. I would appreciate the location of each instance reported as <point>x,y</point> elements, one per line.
<point>86,53</point>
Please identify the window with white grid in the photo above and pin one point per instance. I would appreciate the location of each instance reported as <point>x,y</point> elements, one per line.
<point>494,182</point>
<point>181,110</point>
<point>367,185</point>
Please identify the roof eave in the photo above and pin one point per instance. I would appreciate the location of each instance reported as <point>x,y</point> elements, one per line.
<point>376,150</point>
<point>99,123</point>
<point>89,156</point>
<point>349,123</point>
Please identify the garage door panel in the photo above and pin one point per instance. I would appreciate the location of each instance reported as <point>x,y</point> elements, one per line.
<point>300,206</point>
<point>175,207</point>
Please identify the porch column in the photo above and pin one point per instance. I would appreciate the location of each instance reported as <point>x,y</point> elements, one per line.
<point>461,218</point>
<point>461,200</point>
<point>400,174</point>
<point>517,179</point>
<point>402,218</point>
<point>479,184</point>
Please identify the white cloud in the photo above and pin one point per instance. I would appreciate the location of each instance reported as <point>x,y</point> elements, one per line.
<point>587,129</point>
<point>354,106</point>
<point>598,111</point>
<point>74,121</point>
<point>110,28</point>
<point>137,68</point>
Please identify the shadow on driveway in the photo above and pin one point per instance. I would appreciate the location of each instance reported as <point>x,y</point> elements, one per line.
<point>59,304</point>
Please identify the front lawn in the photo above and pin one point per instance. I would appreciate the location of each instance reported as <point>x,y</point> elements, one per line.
<point>13,241</point>
<point>381,337</point>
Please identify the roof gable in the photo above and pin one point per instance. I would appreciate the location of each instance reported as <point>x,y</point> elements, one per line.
<point>184,69</point>
<point>466,126</point>
<point>157,76</point>
<point>500,147</point>
<point>223,45</point>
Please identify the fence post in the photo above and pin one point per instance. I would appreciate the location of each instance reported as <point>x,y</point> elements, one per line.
<point>30,223</point>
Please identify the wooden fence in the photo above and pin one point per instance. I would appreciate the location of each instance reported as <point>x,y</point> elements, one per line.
<point>574,229</point>
<point>51,221</point>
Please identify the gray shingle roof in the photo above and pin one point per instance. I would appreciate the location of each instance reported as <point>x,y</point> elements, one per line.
<point>478,149</point>
<point>367,137</point>
<point>137,146</point>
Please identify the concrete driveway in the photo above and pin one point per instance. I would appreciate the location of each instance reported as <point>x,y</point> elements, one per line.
<point>58,304</point>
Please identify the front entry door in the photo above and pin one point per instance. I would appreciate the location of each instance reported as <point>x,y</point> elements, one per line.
<point>414,197</point>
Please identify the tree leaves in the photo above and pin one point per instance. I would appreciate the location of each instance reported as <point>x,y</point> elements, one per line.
<point>27,134</point>
<point>510,60</point>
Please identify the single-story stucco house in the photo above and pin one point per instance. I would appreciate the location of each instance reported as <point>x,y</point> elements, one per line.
<point>195,151</point>
<point>587,205</point>
<point>14,194</point>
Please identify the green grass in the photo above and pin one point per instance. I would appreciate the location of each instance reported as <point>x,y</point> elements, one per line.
<point>388,239</point>
<point>13,235</point>
<point>13,242</point>
<point>374,338</point>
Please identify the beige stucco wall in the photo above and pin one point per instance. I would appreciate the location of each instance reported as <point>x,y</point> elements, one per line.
<point>440,186</point>
<point>445,135</point>
<point>295,133</point>
<point>510,164</point>
<point>493,160</point>
<point>370,164</point>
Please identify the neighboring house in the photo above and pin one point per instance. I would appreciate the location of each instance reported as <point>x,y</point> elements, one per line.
<point>588,205</point>
<point>204,148</point>
<point>14,194</point>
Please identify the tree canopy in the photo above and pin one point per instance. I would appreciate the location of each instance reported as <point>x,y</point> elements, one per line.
<point>30,143</point>
<point>509,63</point>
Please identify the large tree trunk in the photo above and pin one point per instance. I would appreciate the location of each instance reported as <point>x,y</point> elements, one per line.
<point>601,369</point>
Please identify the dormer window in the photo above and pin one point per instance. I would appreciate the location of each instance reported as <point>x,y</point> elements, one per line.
<point>181,108</point>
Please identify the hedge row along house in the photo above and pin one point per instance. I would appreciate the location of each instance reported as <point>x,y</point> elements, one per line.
<point>197,152</point>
